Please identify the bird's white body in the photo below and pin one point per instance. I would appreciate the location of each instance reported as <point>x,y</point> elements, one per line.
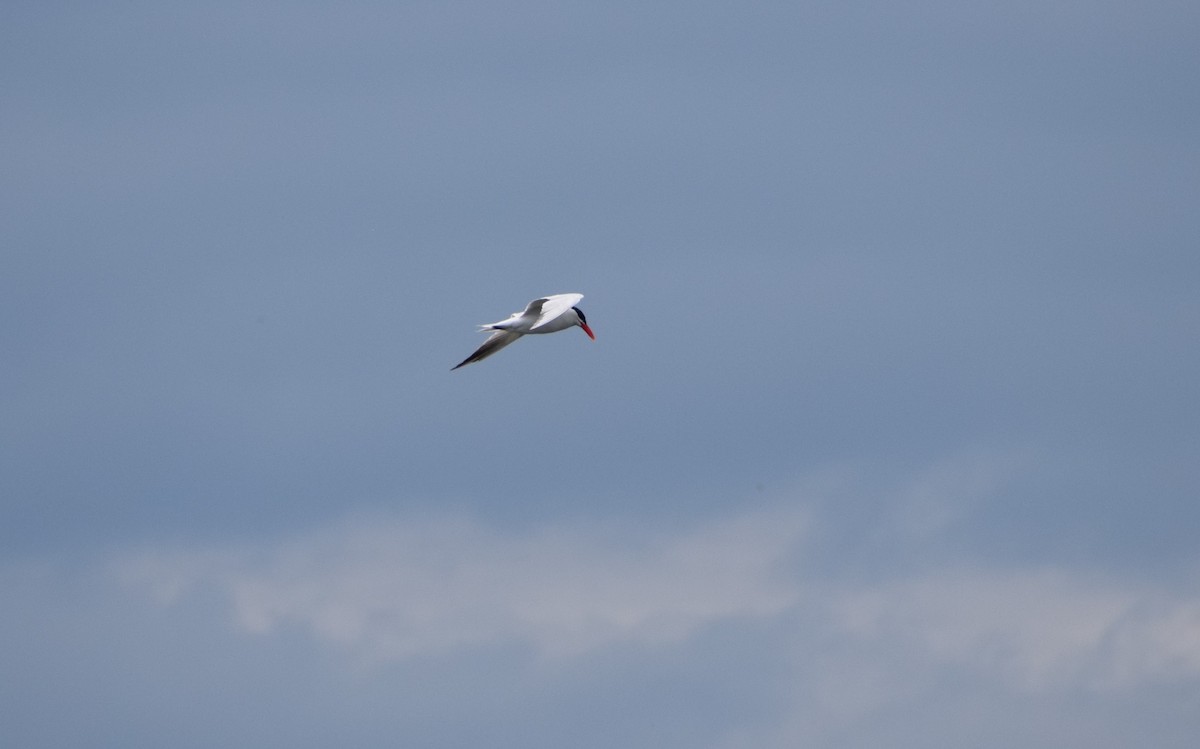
<point>548,314</point>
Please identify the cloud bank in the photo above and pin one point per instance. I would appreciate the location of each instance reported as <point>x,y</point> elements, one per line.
<point>390,589</point>
<point>394,589</point>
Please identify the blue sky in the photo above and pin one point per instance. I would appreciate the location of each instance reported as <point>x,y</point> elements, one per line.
<point>890,433</point>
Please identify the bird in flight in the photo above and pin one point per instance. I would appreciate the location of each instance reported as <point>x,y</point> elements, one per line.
<point>549,314</point>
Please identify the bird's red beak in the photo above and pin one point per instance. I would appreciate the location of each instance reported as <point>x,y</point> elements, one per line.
<point>587,330</point>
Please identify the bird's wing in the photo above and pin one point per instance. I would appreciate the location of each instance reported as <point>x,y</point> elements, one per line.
<point>496,341</point>
<point>522,320</point>
<point>533,310</point>
<point>551,307</point>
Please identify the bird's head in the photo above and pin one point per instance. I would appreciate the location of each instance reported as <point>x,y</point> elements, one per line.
<point>583,323</point>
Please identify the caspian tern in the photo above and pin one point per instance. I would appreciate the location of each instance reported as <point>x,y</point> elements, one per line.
<point>548,314</point>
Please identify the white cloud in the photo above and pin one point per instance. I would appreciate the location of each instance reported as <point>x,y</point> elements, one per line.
<point>1040,629</point>
<point>394,589</point>
<point>979,657</point>
<point>391,589</point>
<point>853,657</point>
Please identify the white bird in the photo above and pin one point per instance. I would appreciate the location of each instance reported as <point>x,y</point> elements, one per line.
<point>548,314</point>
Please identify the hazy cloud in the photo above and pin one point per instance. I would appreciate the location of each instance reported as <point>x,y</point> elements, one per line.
<point>393,588</point>
<point>1042,629</point>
